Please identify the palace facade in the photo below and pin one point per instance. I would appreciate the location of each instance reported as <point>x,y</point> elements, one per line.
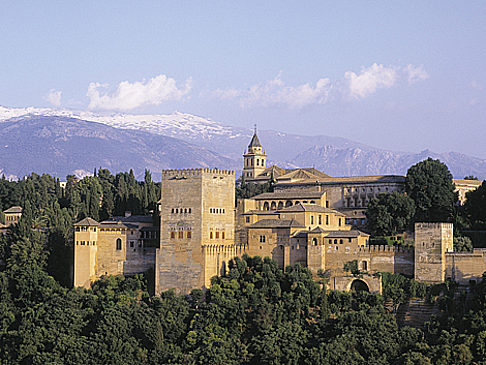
<point>310,218</point>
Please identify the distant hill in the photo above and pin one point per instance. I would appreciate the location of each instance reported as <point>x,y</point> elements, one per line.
<point>178,136</point>
<point>358,161</point>
<point>61,146</point>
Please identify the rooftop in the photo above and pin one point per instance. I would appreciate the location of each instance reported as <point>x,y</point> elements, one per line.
<point>277,223</point>
<point>309,208</point>
<point>87,222</point>
<point>255,142</point>
<point>14,209</point>
<point>290,194</point>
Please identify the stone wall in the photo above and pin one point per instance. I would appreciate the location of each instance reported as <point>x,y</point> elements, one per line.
<point>432,242</point>
<point>465,266</point>
<point>197,209</point>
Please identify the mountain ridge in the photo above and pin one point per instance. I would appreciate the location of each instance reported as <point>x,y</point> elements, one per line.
<point>224,145</point>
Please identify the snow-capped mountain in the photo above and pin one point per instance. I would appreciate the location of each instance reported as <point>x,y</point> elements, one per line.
<point>334,155</point>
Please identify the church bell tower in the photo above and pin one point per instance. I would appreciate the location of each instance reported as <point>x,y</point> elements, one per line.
<point>255,159</point>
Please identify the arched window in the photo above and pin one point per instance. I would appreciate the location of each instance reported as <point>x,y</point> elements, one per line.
<point>280,205</point>
<point>118,244</point>
<point>265,206</point>
<point>288,203</point>
<point>258,162</point>
<point>335,242</point>
<point>341,241</point>
<point>312,202</point>
<point>273,206</point>
<point>314,241</point>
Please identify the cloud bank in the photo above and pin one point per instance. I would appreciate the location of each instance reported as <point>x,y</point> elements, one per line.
<point>129,95</point>
<point>352,86</point>
<point>54,97</point>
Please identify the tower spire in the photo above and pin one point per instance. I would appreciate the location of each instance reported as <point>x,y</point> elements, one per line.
<point>254,128</point>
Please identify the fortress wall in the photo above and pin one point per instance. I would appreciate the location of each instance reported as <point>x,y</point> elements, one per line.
<point>110,260</point>
<point>139,260</point>
<point>465,266</point>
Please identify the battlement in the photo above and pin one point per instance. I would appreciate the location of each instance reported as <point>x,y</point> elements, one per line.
<point>181,173</point>
<point>385,248</point>
<point>430,225</point>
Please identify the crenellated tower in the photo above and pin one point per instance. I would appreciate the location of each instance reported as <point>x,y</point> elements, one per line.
<point>255,159</point>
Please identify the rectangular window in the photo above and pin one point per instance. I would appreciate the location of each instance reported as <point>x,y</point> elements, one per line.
<point>217,234</point>
<point>189,235</point>
<point>181,234</point>
<point>222,235</point>
<point>340,222</point>
<point>320,219</point>
<point>327,203</point>
<point>312,219</point>
<point>247,219</point>
<point>172,234</point>
<point>327,219</point>
<point>211,235</point>
<point>262,239</point>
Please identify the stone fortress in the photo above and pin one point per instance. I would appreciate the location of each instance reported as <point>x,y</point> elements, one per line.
<point>310,218</point>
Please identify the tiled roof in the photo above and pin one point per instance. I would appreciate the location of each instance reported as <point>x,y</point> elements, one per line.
<point>277,223</point>
<point>345,234</point>
<point>117,224</point>
<point>318,230</point>
<point>303,174</point>
<point>290,194</point>
<point>132,218</point>
<point>15,209</point>
<point>309,208</point>
<point>261,212</point>
<point>87,222</point>
<point>350,180</point>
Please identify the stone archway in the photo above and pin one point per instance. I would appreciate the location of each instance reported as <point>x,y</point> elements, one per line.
<point>359,285</point>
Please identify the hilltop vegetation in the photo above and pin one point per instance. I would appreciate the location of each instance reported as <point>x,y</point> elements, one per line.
<point>255,314</point>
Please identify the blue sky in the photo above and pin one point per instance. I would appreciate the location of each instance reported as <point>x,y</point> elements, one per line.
<point>403,75</point>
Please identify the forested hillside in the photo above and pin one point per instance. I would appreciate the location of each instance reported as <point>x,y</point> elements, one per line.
<point>256,314</point>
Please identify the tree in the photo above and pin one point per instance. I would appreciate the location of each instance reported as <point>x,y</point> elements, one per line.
<point>474,207</point>
<point>389,214</point>
<point>429,184</point>
<point>462,244</point>
<point>470,177</point>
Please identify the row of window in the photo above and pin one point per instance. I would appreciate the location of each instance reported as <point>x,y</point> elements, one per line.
<point>355,221</point>
<point>217,210</point>
<point>9,218</point>
<point>181,211</point>
<point>85,229</point>
<point>86,243</point>
<point>249,162</point>
<point>180,234</point>
<point>364,189</point>
<point>216,235</point>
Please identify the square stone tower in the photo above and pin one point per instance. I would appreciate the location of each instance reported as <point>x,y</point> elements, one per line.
<point>432,241</point>
<point>197,228</point>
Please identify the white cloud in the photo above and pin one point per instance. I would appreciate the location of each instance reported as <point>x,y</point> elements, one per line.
<point>129,96</point>
<point>370,79</point>
<point>275,92</point>
<point>415,73</point>
<point>357,86</point>
<point>54,97</point>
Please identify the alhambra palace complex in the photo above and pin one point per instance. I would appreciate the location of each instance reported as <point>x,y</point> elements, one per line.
<point>310,218</point>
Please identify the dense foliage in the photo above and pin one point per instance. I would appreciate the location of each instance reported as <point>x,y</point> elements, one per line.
<point>52,210</point>
<point>256,314</point>
<point>246,190</point>
<point>429,184</point>
<point>389,214</point>
<point>475,208</point>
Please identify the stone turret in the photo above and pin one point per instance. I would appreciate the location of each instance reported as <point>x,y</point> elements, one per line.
<point>432,241</point>
<point>85,252</point>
